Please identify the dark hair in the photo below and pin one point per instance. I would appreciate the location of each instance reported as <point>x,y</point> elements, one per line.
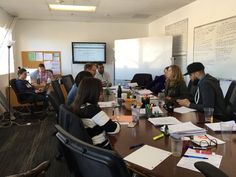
<point>88,66</point>
<point>89,92</point>
<point>41,65</point>
<point>21,71</point>
<point>99,64</point>
<point>81,75</point>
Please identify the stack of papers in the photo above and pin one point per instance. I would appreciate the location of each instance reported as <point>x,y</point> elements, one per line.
<point>183,110</point>
<point>164,121</point>
<point>207,140</point>
<point>107,104</point>
<point>216,126</point>
<point>188,162</point>
<point>185,129</point>
<point>144,92</point>
<point>134,84</point>
<point>148,157</point>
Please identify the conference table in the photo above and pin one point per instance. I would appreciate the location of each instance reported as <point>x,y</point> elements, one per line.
<point>144,132</point>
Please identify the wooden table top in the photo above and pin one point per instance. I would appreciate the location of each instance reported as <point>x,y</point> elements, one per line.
<point>145,131</point>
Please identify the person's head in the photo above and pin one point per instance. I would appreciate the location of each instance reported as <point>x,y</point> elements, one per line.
<point>165,70</point>
<point>100,68</point>
<point>90,67</point>
<point>89,91</point>
<point>22,73</point>
<point>41,68</point>
<point>174,75</point>
<point>81,75</point>
<point>195,71</point>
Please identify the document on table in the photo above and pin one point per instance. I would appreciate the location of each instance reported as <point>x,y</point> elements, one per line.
<point>144,92</point>
<point>185,129</point>
<point>107,104</point>
<point>123,119</point>
<point>188,162</point>
<point>148,157</point>
<point>216,126</point>
<point>164,121</point>
<point>207,138</point>
<point>183,110</point>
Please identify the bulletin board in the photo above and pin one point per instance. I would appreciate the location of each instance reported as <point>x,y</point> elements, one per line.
<point>51,60</point>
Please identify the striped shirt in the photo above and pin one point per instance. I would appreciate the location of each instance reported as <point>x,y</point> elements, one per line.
<point>98,124</point>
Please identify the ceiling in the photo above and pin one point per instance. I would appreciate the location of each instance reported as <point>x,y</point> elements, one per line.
<point>125,11</point>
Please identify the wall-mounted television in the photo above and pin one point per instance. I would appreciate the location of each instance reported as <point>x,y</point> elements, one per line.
<point>89,52</point>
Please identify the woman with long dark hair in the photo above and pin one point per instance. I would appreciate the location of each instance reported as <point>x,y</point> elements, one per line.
<point>96,122</point>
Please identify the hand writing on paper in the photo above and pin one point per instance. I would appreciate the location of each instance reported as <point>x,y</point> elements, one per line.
<point>183,102</point>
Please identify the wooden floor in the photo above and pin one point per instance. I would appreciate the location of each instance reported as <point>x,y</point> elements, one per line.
<point>24,147</point>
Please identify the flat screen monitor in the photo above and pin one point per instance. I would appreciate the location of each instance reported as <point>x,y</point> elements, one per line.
<point>89,52</point>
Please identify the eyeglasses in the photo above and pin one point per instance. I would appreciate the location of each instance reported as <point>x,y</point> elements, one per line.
<point>209,143</point>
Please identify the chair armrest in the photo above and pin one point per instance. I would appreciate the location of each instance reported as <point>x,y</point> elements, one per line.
<point>209,170</point>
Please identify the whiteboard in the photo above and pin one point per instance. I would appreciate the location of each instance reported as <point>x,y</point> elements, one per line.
<point>142,55</point>
<point>215,47</point>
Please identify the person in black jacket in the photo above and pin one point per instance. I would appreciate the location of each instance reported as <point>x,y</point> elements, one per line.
<point>175,85</point>
<point>208,94</point>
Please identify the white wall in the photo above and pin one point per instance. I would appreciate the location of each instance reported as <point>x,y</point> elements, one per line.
<point>5,20</point>
<point>58,35</point>
<point>198,13</point>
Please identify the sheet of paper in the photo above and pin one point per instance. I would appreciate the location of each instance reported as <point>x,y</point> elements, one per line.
<point>39,56</point>
<point>56,67</point>
<point>144,92</point>
<point>134,84</point>
<point>183,127</point>
<point>188,162</point>
<point>216,126</point>
<point>183,110</point>
<point>148,157</point>
<point>123,119</point>
<point>47,56</point>
<point>207,138</point>
<point>107,104</point>
<point>164,121</point>
<point>48,64</point>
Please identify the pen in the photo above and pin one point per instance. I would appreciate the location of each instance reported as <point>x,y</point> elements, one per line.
<point>199,148</point>
<point>158,137</point>
<point>196,157</point>
<point>136,145</point>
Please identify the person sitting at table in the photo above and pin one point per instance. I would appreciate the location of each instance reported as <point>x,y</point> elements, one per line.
<point>158,84</point>
<point>90,67</point>
<point>103,75</point>
<point>72,93</point>
<point>208,94</point>
<point>41,76</point>
<point>175,85</point>
<point>96,122</point>
<point>192,87</point>
<point>27,91</point>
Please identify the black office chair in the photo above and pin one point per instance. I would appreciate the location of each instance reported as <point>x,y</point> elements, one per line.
<point>57,89</point>
<point>55,102</point>
<point>143,79</point>
<point>230,101</point>
<point>91,161</point>
<point>33,99</point>
<point>209,170</point>
<point>68,82</point>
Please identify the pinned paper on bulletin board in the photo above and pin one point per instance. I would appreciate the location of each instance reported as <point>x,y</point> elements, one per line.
<point>31,56</point>
<point>56,67</point>
<point>56,56</point>
<point>39,56</point>
<point>47,56</point>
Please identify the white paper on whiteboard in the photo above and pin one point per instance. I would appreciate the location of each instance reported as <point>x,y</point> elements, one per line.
<point>148,157</point>
<point>47,56</point>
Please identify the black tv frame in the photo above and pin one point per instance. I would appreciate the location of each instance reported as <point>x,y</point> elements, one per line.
<point>79,62</point>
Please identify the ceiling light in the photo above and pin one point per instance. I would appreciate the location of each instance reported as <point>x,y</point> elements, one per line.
<point>72,7</point>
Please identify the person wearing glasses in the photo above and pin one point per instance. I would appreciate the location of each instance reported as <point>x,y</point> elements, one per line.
<point>208,93</point>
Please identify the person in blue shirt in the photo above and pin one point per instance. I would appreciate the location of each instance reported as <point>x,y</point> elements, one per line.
<point>72,93</point>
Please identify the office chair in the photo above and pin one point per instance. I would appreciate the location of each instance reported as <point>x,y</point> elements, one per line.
<point>31,103</point>
<point>230,101</point>
<point>143,79</point>
<point>55,102</point>
<point>68,82</point>
<point>209,170</point>
<point>57,89</point>
<point>89,160</point>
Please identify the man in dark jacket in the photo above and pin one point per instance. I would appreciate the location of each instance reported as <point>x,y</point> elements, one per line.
<point>208,93</point>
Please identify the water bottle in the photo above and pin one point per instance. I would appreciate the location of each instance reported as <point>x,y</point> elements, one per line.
<point>119,91</point>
